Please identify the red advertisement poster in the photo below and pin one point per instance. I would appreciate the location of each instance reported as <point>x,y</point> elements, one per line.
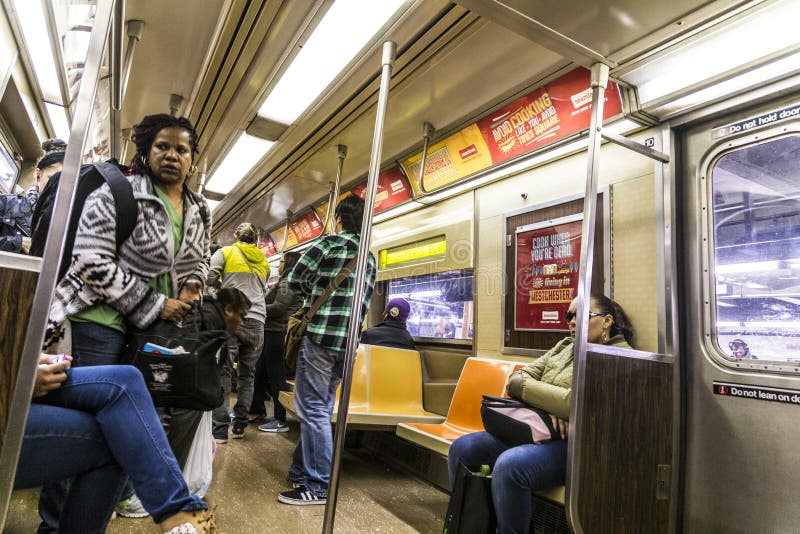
<point>548,260</point>
<point>267,246</point>
<point>393,189</point>
<point>305,227</point>
<point>552,112</point>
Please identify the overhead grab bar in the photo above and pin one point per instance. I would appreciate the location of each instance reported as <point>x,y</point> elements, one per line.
<point>116,55</point>
<point>341,153</point>
<point>427,133</point>
<point>135,29</point>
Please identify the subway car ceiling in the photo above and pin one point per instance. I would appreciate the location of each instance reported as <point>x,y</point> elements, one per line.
<point>222,64</point>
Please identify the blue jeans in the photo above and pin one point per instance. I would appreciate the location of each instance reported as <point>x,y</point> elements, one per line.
<point>249,339</point>
<point>92,344</point>
<point>517,473</point>
<point>319,372</point>
<point>98,426</point>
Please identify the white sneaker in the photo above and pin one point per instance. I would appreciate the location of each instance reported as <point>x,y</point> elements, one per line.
<point>131,507</point>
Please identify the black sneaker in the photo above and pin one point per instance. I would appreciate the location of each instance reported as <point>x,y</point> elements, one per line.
<point>237,432</point>
<point>301,496</point>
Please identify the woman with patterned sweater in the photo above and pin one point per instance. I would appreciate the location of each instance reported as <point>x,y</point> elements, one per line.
<point>547,384</point>
<point>156,272</point>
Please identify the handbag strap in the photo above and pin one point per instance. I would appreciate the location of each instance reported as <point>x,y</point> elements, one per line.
<point>258,280</point>
<point>335,283</point>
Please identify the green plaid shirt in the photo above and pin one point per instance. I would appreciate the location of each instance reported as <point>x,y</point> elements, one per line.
<point>310,277</point>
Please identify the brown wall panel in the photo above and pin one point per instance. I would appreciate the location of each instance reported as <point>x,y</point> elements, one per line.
<point>627,433</point>
<point>16,297</point>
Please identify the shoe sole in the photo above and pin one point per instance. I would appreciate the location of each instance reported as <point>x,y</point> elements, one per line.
<point>237,436</point>
<point>220,441</point>
<point>296,502</point>
<point>274,430</point>
<point>133,515</point>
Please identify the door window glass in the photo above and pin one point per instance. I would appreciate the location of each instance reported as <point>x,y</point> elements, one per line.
<point>8,170</point>
<point>756,221</point>
<point>441,304</point>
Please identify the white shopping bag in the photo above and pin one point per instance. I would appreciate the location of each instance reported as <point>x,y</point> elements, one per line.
<point>197,471</point>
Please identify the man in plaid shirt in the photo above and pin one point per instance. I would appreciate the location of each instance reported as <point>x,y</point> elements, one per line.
<point>322,349</point>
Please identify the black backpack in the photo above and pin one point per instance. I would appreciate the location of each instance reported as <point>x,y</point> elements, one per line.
<point>90,178</point>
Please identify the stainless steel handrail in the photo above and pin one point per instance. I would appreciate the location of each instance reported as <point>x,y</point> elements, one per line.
<point>354,326</point>
<point>34,336</point>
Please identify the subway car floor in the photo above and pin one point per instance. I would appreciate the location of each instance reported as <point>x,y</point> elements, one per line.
<point>248,475</point>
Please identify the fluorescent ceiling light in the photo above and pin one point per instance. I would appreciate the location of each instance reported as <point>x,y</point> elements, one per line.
<point>780,67</point>
<point>343,31</point>
<point>34,32</point>
<point>241,158</point>
<point>752,37</point>
<point>58,118</point>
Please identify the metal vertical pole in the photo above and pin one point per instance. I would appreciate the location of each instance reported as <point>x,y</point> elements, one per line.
<point>341,154</point>
<point>58,56</point>
<point>34,335</point>
<point>289,215</point>
<point>599,82</point>
<point>354,326</point>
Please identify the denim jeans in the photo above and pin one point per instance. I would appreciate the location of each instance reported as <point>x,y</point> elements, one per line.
<point>92,344</point>
<point>319,372</point>
<point>248,339</point>
<point>517,473</point>
<point>99,425</point>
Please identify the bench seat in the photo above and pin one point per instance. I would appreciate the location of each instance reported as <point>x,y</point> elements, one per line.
<point>386,390</point>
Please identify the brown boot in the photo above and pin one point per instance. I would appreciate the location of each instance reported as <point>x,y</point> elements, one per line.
<point>190,522</point>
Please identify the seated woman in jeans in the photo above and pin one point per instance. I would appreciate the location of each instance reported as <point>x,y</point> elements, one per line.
<point>97,424</point>
<point>546,383</point>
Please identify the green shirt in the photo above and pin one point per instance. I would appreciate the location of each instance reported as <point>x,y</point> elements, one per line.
<point>104,314</point>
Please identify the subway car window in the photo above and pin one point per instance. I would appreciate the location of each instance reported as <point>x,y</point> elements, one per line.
<point>8,170</point>
<point>756,216</point>
<point>441,304</point>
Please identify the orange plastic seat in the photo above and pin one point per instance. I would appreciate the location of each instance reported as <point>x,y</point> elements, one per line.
<point>479,377</point>
<point>386,389</point>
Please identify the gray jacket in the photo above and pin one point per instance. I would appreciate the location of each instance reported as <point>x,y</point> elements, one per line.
<point>281,303</point>
<point>101,274</point>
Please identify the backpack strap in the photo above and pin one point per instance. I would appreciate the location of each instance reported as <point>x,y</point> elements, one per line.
<point>126,206</point>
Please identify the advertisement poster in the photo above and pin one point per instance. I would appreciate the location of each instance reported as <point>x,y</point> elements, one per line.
<point>547,264</point>
<point>456,157</point>
<point>267,246</point>
<point>550,113</point>
<point>546,115</point>
<point>393,189</point>
<point>304,228</point>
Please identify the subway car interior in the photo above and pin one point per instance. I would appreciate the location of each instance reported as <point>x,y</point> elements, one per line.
<point>512,156</point>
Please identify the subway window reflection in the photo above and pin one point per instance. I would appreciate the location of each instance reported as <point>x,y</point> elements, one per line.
<point>756,218</point>
<point>441,304</point>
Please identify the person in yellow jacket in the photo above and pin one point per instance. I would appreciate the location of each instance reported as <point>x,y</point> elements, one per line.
<point>519,471</point>
<point>241,266</point>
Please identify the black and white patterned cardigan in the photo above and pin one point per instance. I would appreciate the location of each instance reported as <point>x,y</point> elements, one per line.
<point>98,274</point>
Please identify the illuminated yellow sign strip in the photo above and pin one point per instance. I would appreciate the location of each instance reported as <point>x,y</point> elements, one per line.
<point>409,253</point>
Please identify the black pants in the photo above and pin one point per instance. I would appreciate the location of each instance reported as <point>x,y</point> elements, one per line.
<point>270,376</point>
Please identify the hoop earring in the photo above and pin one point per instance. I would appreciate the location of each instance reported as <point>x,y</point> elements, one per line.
<point>192,169</point>
<point>144,161</point>
<point>604,337</point>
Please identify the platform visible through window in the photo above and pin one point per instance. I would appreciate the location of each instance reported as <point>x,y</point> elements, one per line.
<point>441,304</point>
<point>756,224</point>
<point>8,170</point>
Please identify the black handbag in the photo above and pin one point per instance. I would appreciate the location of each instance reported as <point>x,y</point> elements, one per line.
<point>516,423</point>
<point>191,379</point>
<point>471,509</point>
